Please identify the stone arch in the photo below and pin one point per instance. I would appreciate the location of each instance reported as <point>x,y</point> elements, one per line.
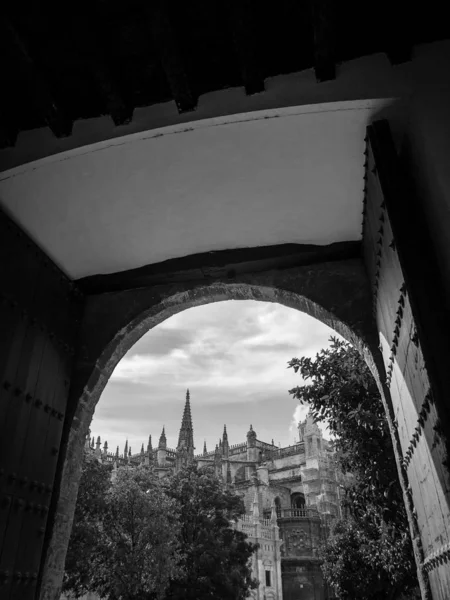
<point>114,322</point>
<point>123,318</point>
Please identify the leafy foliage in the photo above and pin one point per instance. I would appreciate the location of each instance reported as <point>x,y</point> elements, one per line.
<point>133,547</point>
<point>142,538</point>
<point>369,555</point>
<point>362,562</point>
<point>138,551</point>
<point>89,511</point>
<point>216,557</point>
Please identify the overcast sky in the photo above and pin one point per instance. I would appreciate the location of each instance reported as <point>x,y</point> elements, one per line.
<point>233,358</point>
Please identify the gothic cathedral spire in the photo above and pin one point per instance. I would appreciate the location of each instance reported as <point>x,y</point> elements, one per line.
<point>225,445</point>
<point>185,447</point>
<point>186,437</point>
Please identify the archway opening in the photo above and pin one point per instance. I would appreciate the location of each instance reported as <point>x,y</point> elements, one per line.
<point>232,356</point>
<point>298,501</point>
<point>132,326</point>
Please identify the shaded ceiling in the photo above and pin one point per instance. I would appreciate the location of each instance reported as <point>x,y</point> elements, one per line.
<point>273,177</point>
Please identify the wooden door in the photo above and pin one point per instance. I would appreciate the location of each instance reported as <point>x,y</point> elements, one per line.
<point>407,304</point>
<point>37,330</point>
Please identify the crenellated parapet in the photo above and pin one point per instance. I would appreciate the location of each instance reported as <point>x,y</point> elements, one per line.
<point>236,449</point>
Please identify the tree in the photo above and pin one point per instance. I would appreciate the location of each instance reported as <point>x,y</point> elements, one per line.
<point>134,550</point>
<point>215,556</point>
<point>89,511</point>
<point>370,554</point>
<point>363,561</point>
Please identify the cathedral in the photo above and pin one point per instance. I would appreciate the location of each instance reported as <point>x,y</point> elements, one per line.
<point>290,494</point>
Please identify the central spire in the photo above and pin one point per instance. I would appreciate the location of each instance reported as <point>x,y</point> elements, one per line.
<point>186,437</point>
<point>225,445</point>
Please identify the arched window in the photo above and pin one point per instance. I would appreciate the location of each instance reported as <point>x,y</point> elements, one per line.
<point>278,506</point>
<point>298,501</point>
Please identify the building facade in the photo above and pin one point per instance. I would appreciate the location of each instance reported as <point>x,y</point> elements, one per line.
<point>290,495</point>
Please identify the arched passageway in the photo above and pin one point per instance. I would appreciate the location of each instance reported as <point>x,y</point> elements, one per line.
<point>334,292</point>
<point>86,210</point>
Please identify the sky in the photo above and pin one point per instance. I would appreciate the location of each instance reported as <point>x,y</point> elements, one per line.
<point>232,356</point>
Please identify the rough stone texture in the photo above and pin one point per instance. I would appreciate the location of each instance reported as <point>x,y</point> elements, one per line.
<point>266,495</point>
<point>336,293</point>
<point>291,460</point>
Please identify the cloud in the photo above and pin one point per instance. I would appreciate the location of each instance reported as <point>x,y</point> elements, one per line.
<point>300,413</point>
<point>232,356</point>
<point>163,341</point>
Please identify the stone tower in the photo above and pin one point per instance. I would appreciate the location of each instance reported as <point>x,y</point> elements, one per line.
<point>149,457</point>
<point>252,453</point>
<point>162,449</point>
<point>98,449</point>
<point>252,450</point>
<point>310,433</point>
<point>185,446</point>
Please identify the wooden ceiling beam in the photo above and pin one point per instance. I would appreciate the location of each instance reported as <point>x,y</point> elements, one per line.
<point>398,33</point>
<point>323,16</point>
<point>8,133</point>
<point>222,265</point>
<point>85,39</point>
<point>244,39</point>
<point>398,53</point>
<point>121,112</point>
<point>167,47</point>
<point>37,88</point>
<point>9,128</point>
